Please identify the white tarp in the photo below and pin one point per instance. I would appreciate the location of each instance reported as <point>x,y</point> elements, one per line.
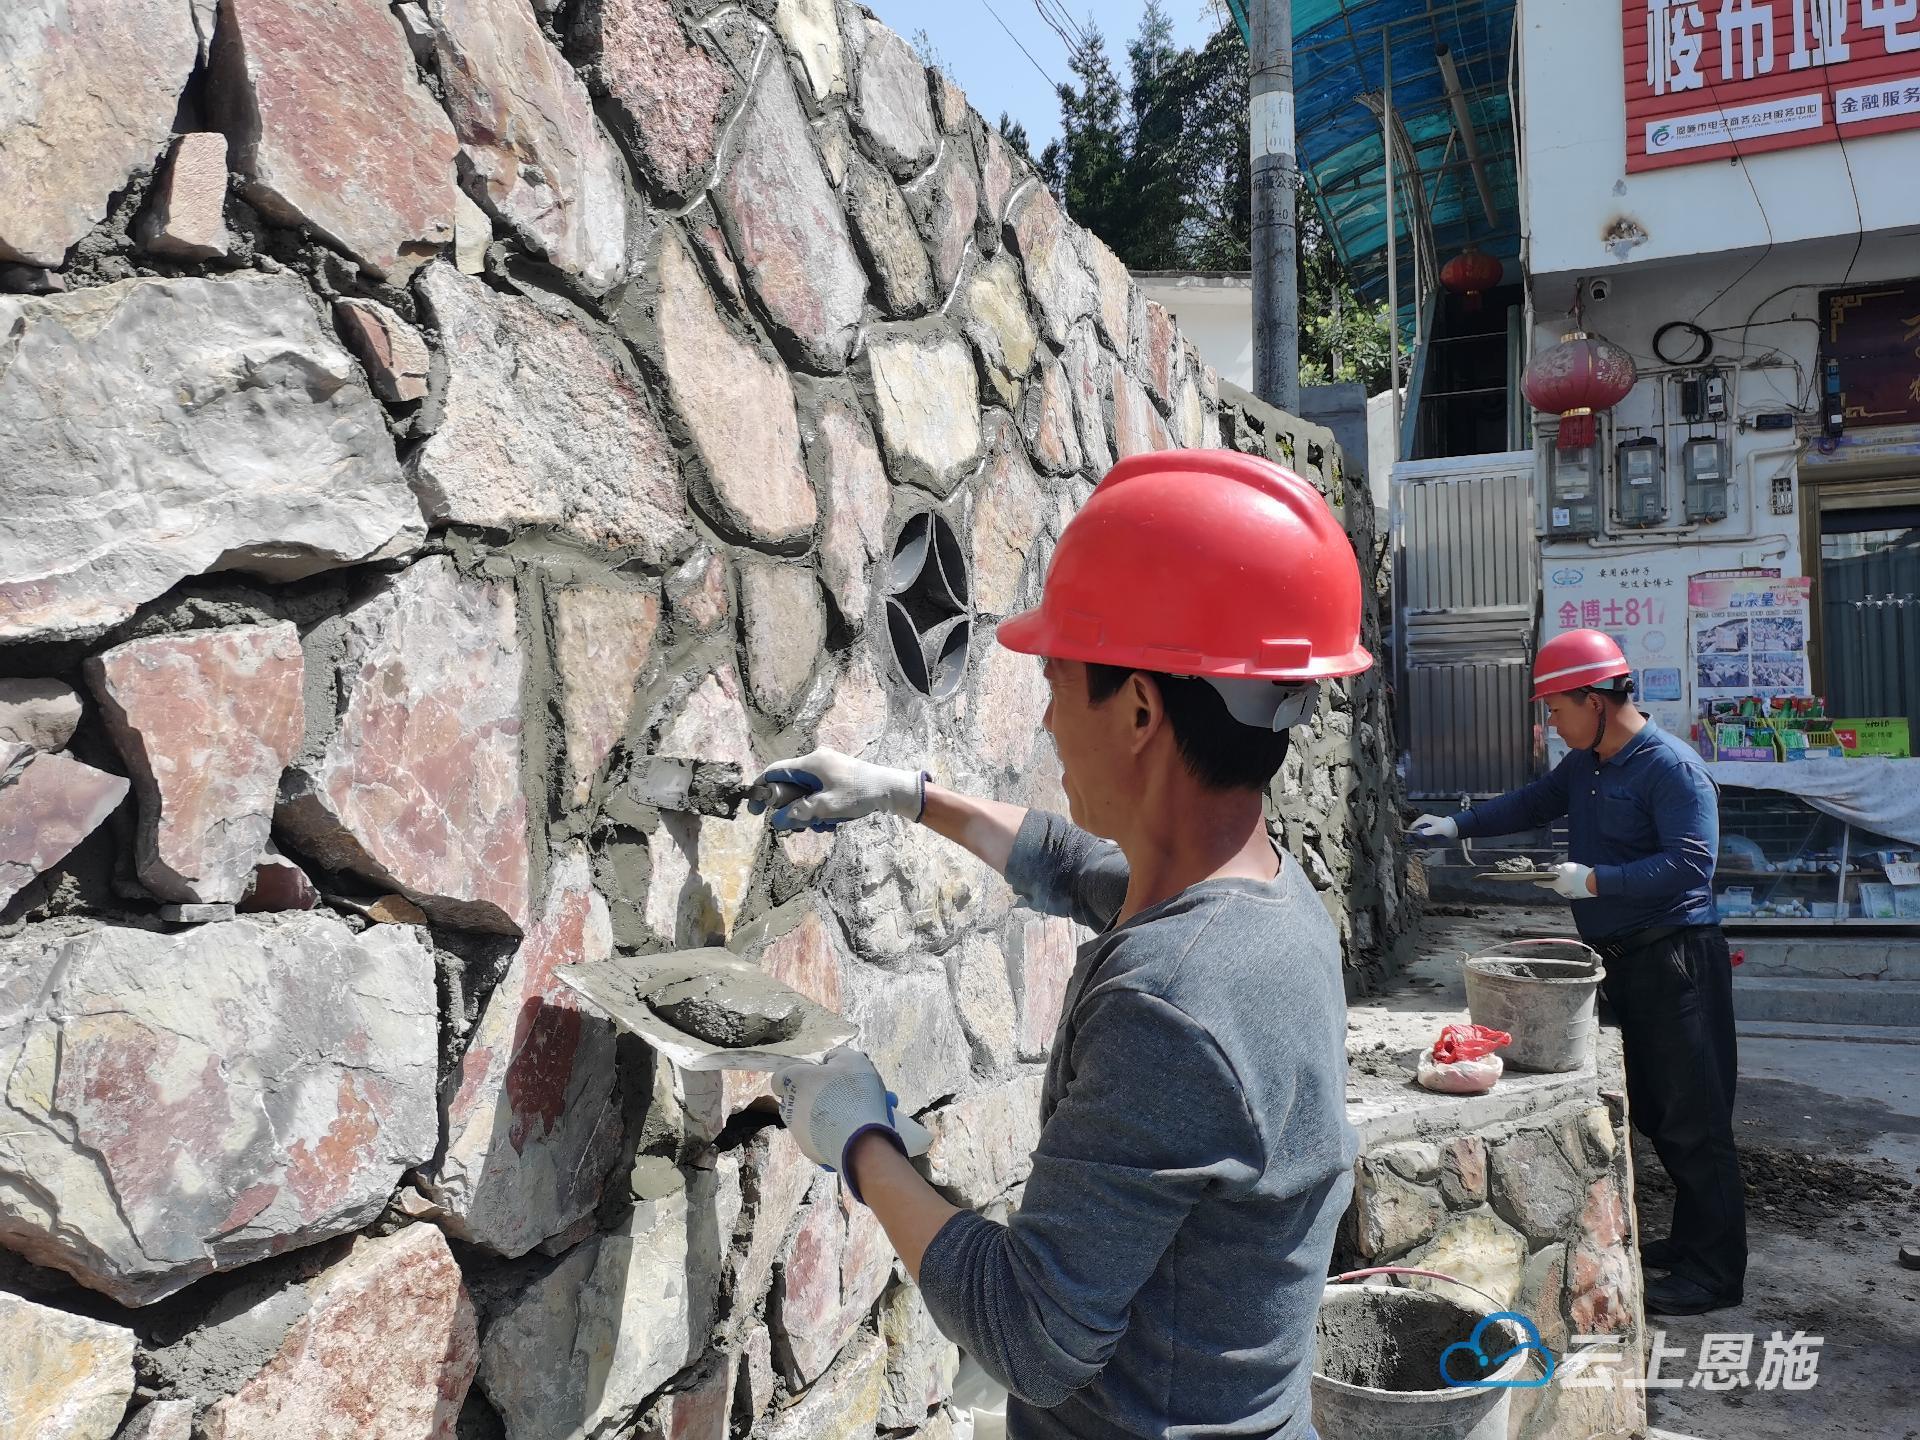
<point>1877,794</point>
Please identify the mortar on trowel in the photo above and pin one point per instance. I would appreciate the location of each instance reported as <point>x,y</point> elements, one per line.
<point>707,1010</point>
<point>696,787</point>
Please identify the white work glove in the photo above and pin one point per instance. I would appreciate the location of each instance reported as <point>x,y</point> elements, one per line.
<point>1435,827</point>
<point>1570,880</point>
<point>841,788</point>
<point>829,1105</point>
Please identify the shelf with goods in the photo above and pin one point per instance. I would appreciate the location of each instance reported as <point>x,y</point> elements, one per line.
<point>1783,862</point>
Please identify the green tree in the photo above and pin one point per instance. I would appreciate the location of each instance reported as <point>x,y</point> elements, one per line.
<point>1015,134</point>
<point>1161,173</point>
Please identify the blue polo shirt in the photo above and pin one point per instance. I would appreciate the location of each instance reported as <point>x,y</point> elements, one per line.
<point>1647,821</point>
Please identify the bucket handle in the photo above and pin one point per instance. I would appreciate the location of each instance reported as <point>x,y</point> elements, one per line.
<point>1552,940</point>
<point>1372,1270</point>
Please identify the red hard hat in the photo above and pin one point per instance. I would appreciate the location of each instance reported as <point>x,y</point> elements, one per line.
<point>1577,658</point>
<point>1206,563</point>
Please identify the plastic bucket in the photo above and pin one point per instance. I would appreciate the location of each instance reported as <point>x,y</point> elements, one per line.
<point>1543,993</point>
<point>1377,1375</point>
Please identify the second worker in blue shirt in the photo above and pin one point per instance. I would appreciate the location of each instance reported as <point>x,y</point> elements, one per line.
<point>1643,833</point>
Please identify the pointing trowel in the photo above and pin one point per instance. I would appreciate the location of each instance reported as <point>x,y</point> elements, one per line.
<point>699,787</point>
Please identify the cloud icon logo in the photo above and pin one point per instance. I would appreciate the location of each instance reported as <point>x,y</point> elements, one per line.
<point>1477,1368</point>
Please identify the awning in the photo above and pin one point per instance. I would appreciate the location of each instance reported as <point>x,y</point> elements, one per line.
<point>1338,70</point>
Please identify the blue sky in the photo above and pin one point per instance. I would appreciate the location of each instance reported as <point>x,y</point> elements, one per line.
<point>990,67</point>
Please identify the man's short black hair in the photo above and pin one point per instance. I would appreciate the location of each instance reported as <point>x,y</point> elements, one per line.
<point>1615,692</point>
<point>1222,753</point>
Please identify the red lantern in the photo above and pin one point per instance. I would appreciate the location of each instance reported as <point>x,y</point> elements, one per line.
<point>1580,376</point>
<point>1469,273</point>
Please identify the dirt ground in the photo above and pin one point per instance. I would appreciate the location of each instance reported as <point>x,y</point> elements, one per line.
<point>1830,1152</point>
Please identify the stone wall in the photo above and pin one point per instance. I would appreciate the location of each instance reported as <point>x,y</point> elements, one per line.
<point>410,415</point>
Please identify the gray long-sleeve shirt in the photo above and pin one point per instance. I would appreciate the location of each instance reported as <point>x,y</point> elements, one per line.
<point>1163,1272</point>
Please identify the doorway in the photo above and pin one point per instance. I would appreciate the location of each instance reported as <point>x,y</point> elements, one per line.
<point>1868,593</point>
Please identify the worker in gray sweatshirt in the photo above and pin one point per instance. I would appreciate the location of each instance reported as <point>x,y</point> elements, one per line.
<point>1162,1274</point>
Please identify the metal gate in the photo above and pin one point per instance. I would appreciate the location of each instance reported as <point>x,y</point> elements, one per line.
<point>1466,587</point>
<point>1871,610</point>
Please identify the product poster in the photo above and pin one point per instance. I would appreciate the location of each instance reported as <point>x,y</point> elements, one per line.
<point>1748,636</point>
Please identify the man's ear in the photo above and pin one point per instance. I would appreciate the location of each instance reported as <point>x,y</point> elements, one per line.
<point>1148,710</point>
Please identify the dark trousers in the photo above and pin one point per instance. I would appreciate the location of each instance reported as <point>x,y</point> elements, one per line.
<point>1671,992</point>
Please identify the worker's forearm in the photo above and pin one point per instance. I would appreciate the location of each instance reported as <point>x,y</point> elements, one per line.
<point>908,1208</point>
<point>986,827</point>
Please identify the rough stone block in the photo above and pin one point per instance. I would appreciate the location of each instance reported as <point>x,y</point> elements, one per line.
<point>844,1404</point>
<point>545,424</point>
<point>1603,1290</point>
<point>909,1028</point>
<point>993,312</point>
<point>418,787</point>
<point>856,718</point>
<point>946,202</point>
<point>785,633</point>
<point>912,895</point>
<point>197,914</point>
<point>1603,1220</point>
<point>926,399</point>
<point>1047,421</point>
<point>1137,426</point>
<point>93,89</point>
<point>161,1420</point>
<point>983,1145</point>
<point>999,175</point>
<point>892,110</point>
<point>1463,1171</point>
<point>151,430</point>
<point>1113,291</point>
<point>1479,1249</point>
<point>322,103</point>
<point>602,639</point>
<point>1533,1186</point>
<point>268,1096</point>
<point>753,1388</point>
<point>394,353</point>
<point>697,593</point>
<point>1010,523</point>
<point>753,481</point>
<point>812,32</point>
<point>775,1179</point>
<point>623,1312</point>
<point>1063,290</point>
<point>388,1346</point>
<point>534,154</point>
<point>1543,1295</point>
<point>62,1376</point>
<point>787,227</point>
<point>669,96</point>
<point>532,1118</point>
<point>1049,950</point>
<point>42,714</point>
<point>1391,1215</point>
<point>48,805</point>
<point>704,865</point>
<point>186,209</point>
<point>921,1362</point>
<point>206,720</point>
<point>809,1322</point>
<point>1087,369</point>
<point>884,228</point>
<point>984,995</point>
<point>278,884</point>
<point>842,451</point>
<point>699,1412</point>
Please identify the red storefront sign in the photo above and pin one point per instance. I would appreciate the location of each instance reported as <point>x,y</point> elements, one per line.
<point>1707,79</point>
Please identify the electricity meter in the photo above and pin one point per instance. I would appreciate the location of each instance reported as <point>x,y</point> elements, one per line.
<point>1704,462</point>
<point>1639,482</point>
<point>1573,491</point>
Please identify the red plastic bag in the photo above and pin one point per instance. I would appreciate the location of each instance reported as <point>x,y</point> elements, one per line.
<point>1468,1042</point>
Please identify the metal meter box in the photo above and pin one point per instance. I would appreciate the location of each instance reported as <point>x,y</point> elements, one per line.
<point>1573,492</point>
<point>1640,482</point>
<point>1703,460</point>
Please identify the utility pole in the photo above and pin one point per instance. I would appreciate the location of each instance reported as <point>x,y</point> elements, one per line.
<point>1276,292</point>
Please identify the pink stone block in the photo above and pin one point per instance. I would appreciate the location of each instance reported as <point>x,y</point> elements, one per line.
<point>48,805</point>
<point>186,215</point>
<point>1048,953</point>
<point>206,721</point>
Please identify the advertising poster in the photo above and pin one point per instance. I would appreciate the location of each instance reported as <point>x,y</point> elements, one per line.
<point>1748,637</point>
<point>1641,601</point>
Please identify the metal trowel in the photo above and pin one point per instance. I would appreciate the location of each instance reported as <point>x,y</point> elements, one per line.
<point>700,787</point>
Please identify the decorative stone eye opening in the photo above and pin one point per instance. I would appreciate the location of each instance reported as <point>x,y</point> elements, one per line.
<point>929,619</point>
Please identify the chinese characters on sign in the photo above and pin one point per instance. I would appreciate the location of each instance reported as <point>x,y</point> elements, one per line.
<point>1641,601</point>
<point>1707,79</point>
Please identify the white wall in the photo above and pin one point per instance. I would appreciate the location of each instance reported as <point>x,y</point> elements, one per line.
<point>1215,315</point>
<point>1577,189</point>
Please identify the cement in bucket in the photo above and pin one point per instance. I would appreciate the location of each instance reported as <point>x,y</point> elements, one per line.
<point>1543,993</point>
<point>1378,1372</point>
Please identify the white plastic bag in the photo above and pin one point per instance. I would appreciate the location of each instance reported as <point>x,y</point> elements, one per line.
<point>1460,1077</point>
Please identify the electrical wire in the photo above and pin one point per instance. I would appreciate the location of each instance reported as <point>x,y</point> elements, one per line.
<point>1060,20</point>
<point>988,7</point>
